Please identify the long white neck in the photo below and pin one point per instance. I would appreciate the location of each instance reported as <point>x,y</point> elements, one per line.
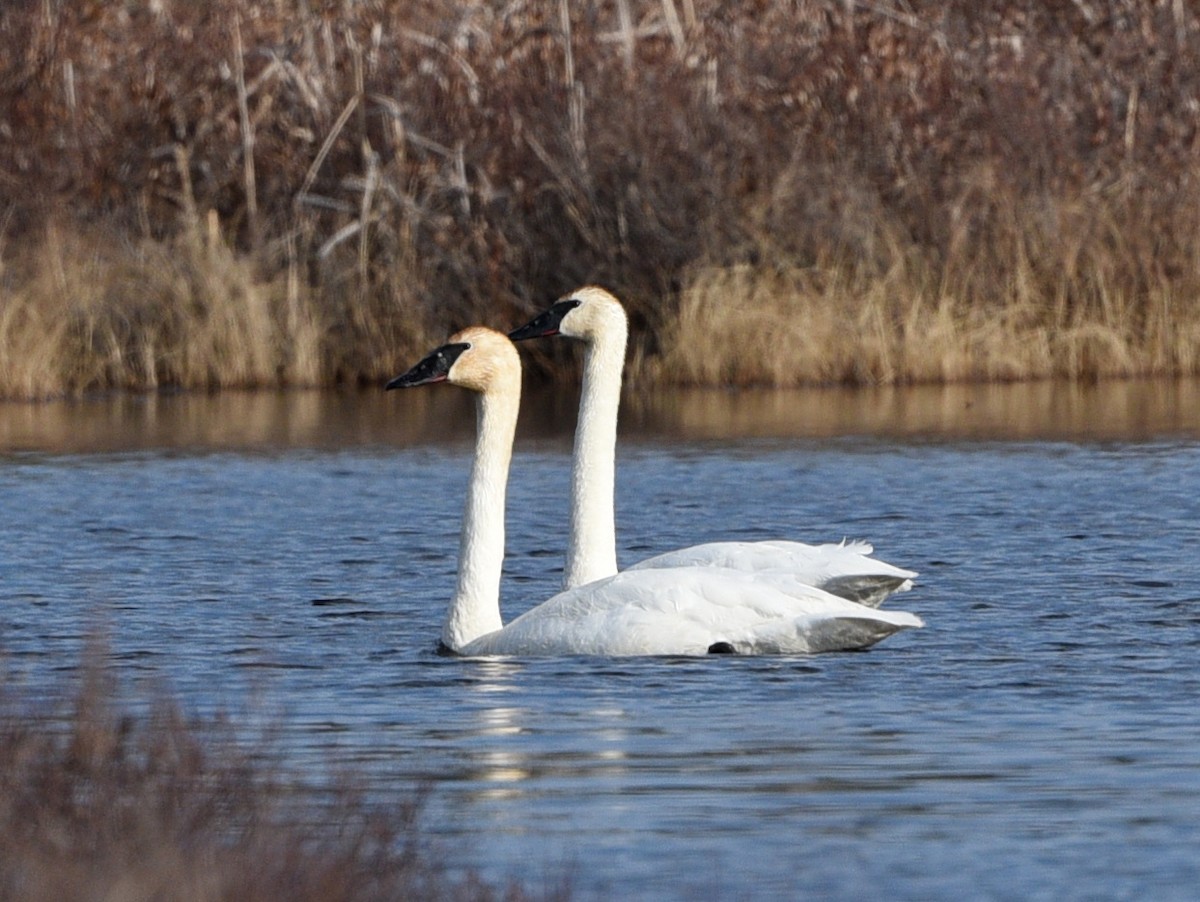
<point>475,609</point>
<point>592,548</point>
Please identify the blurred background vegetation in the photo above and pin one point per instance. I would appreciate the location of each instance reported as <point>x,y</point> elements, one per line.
<point>311,192</point>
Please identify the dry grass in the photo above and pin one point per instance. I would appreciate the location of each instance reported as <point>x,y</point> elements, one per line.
<point>87,312</point>
<point>934,190</point>
<point>770,325</point>
<point>1078,286</point>
<point>97,802</point>
<point>96,313</point>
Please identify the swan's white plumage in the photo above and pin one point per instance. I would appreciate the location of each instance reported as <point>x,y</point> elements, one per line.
<point>686,610</point>
<point>596,317</point>
<point>656,611</point>
<point>844,568</point>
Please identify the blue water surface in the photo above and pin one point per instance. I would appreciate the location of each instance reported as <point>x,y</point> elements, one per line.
<point>1039,739</point>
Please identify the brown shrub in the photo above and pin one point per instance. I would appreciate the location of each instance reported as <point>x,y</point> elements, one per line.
<point>410,168</point>
<point>99,801</point>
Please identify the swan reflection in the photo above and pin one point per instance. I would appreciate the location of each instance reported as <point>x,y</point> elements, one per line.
<point>493,762</point>
<point>512,753</point>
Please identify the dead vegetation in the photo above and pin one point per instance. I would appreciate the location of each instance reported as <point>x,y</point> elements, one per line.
<point>104,799</point>
<point>310,191</point>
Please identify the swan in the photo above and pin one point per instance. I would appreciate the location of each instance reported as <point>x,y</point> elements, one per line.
<point>595,317</point>
<point>661,611</point>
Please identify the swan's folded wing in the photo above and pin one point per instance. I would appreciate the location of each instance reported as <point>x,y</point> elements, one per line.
<point>845,568</point>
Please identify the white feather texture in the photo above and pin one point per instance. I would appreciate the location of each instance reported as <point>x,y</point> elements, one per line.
<point>659,611</point>
<point>844,568</point>
<point>686,611</point>
<point>595,317</point>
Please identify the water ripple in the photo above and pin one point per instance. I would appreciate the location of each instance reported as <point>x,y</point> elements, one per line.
<point>1035,740</point>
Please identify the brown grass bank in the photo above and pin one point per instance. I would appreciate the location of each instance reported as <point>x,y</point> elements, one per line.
<point>309,191</point>
<point>99,802</point>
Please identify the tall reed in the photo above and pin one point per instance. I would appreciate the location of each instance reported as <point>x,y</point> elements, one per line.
<point>1008,311</point>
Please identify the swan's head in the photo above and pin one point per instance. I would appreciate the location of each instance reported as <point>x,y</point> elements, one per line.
<point>476,358</point>
<point>584,314</point>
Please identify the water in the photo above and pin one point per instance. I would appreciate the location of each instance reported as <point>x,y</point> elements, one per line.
<point>1037,740</point>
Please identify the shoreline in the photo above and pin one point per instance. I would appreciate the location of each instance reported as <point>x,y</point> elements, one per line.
<point>365,420</point>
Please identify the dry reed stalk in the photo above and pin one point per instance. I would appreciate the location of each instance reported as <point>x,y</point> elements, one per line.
<point>247,129</point>
<point>625,34</point>
<point>575,89</point>
<point>326,146</point>
<point>674,27</point>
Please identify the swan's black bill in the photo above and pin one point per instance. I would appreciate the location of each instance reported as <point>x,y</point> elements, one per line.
<point>544,324</point>
<point>434,367</point>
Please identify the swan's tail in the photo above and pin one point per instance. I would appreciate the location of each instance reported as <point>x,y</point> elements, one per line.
<point>850,633</point>
<point>867,589</point>
<point>821,633</point>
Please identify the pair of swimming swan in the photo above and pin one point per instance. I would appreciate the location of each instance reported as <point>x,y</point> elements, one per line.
<point>721,597</point>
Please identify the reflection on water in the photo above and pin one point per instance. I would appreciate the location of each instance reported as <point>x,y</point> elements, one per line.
<point>500,769</point>
<point>1133,409</point>
<point>496,766</point>
<point>513,750</point>
<point>230,420</point>
<point>1032,410</point>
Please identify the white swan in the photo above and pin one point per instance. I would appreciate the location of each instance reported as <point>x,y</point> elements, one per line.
<point>667,611</point>
<point>596,317</point>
